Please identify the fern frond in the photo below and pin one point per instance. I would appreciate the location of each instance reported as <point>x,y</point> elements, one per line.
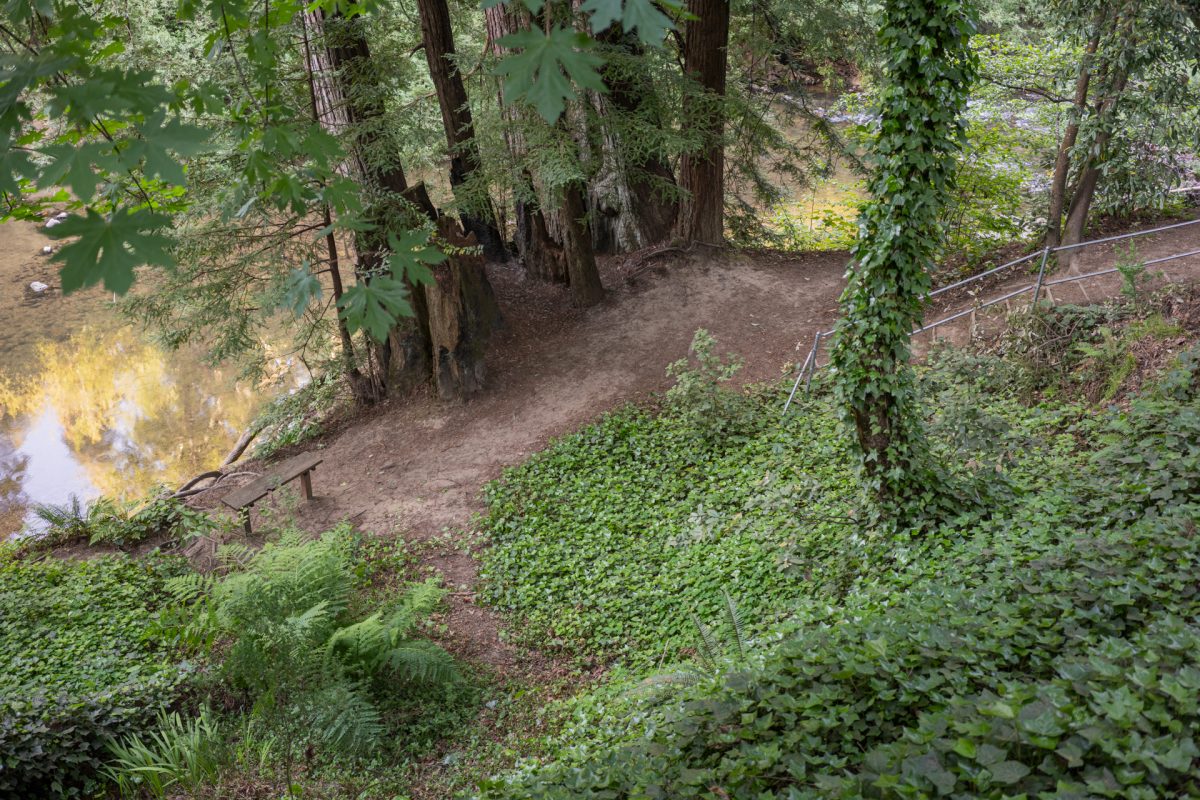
<point>735,622</point>
<point>710,651</point>
<point>189,587</point>
<point>345,719</point>
<point>420,662</point>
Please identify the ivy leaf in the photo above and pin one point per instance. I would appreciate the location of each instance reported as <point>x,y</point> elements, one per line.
<point>541,71</point>
<point>374,306</point>
<point>108,249</point>
<point>411,252</point>
<point>300,288</point>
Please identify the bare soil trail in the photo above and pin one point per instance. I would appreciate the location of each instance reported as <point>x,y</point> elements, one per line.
<point>415,467</point>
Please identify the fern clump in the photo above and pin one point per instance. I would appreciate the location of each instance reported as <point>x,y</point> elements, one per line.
<point>295,649</point>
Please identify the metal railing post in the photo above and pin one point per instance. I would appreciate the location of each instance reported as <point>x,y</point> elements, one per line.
<point>1037,289</point>
<point>812,354</point>
<point>813,367</point>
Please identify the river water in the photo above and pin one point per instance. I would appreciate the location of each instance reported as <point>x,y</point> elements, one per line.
<point>88,404</point>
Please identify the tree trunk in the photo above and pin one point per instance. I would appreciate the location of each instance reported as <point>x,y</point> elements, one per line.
<point>1089,175</point>
<point>462,315</point>
<point>541,256</point>
<point>1062,164</point>
<point>702,173</point>
<point>410,356</point>
<point>633,201</point>
<point>586,289</point>
<point>438,38</point>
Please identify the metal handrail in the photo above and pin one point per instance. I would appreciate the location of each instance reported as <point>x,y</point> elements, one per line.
<point>810,363</point>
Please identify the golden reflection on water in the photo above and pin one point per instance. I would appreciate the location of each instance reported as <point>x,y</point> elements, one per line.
<point>88,405</point>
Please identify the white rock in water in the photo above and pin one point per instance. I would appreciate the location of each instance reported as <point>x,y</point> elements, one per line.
<point>38,287</point>
<point>47,250</point>
<point>52,222</point>
<point>61,216</point>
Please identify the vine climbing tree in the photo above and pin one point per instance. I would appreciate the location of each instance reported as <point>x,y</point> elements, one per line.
<point>927,78</point>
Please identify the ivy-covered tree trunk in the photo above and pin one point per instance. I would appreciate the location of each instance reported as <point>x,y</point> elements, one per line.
<point>478,217</point>
<point>928,72</point>
<point>702,173</point>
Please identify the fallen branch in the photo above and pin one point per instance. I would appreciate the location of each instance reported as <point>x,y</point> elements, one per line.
<point>240,446</point>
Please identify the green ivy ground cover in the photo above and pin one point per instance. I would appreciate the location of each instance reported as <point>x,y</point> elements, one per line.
<point>609,539</point>
<point>1044,643</point>
<point>80,661</point>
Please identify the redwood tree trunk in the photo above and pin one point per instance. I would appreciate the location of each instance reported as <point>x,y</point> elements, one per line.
<point>702,173</point>
<point>444,340</point>
<point>633,200</point>
<point>539,254</point>
<point>586,289</point>
<point>438,38</point>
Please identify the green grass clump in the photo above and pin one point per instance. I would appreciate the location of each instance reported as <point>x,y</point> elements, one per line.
<point>81,661</point>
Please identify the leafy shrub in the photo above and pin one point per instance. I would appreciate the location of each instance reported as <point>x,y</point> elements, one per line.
<point>107,521</point>
<point>314,673</point>
<point>701,395</point>
<point>296,417</point>
<point>79,664</point>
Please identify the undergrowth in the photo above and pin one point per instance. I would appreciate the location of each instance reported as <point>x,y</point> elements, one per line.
<point>1042,643</point>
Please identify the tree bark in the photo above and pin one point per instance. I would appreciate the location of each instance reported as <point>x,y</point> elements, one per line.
<point>584,278</point>
<point>540,254</point>
<point>437,36</point>
<point>1062,164</point>
<point>414,353</point>
<point>462,315</point>
<point>702,173</point>
<point>633,201</point>
<point>1089,175</point>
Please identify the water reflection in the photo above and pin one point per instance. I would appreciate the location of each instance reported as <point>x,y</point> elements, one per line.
<point>105,412</point>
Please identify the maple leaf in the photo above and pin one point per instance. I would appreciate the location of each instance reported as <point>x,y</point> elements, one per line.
<point>109,248</point>
<point>645,17</point>
<point>541,69</point>
<point>411,252</point>
<point>374,306</point>
<point>300,288</point>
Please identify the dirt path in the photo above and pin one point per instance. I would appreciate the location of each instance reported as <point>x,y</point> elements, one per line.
<point>415,469</point>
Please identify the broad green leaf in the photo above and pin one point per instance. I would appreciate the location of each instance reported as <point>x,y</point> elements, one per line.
<point>108,249</point>
<point>645,17</point>
<point>541,69</point>
<point>374,306</point>
<point>603,13</point>
<point>301,288</point>
<point>411,252</point>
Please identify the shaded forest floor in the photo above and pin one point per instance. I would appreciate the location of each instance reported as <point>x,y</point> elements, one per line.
<point>415,467</point>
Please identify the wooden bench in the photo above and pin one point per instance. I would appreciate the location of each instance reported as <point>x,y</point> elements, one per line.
<point>243,497</point>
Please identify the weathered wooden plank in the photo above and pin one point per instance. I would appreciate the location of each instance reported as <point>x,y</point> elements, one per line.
<point>258,488</point>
